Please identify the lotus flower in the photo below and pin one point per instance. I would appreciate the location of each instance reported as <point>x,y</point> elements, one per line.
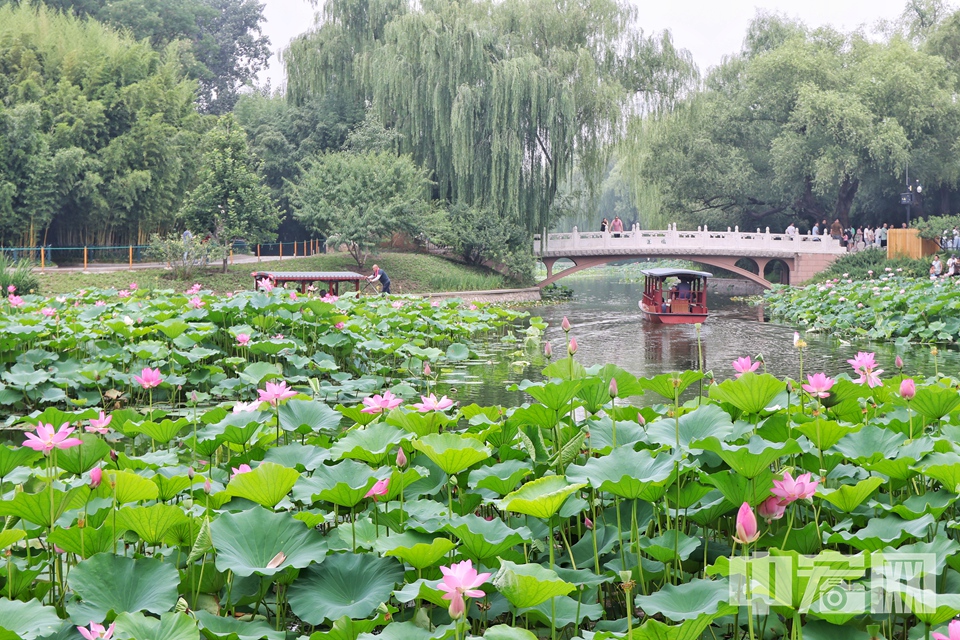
<point>742,365</point>
<point>789,490</point>
<point>15,301</point>
<point>771,509</point>
<point>340,325</point>
<point>379,489</point>
<point>819,385</point>
<point>377,404</point>
<point>196,302</point>
<point>401,458</point>
<point>236,471</point>
<point>898,362</point>
<point>242,407</point>
<point>149,378</point>
<point>613,388</point>
<point>747,531</point>
<point>11,288</point>
<point>461,579</point>
<point>865,364</point>
<point>46,439</point>
<point>48,311</point>
<point>123,293</point>
<point>195,289</point>
<point>953,629</point>
<point>97,631</point>
<point>796,338</point>
<point>275,392</point>
<point>547,350</point>
<point>396,304</point>
<point>565,324</point>
<point>99,425</point>
<point>587,522</point>
<point>572,347</point>
<point>266,284</point>
<point>908,389</point>
<point>96,477</point>
<point>430,403</point>
<point>243,339</point>
<point>426,369</point>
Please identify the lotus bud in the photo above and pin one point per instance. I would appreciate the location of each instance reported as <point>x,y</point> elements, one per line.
<point>426,369</point>
<point>587,522</point>
<point>96,477</point>
<point>747,530</point>
<point>565,324</point>
<point>207,487</point>
<point>898,362</point>
<point>401,458</point>
<point>191,473</point>
<point>113,455</point>
<point>908,389</point>
<point>572,347</point>
<point>613,387</point>
<point>457,607</point>
<point>453,480</point>
<point>547,350</point>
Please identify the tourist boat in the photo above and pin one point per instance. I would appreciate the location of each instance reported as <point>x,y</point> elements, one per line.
<point>674,296</point>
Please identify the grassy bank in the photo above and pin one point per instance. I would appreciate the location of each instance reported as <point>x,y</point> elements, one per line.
<point>409,273</point>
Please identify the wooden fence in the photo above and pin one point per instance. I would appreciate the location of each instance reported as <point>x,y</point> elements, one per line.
<point>907,243</point>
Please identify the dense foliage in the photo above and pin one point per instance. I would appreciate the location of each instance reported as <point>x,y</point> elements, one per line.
<point>318,500</point>
<point>98,132</point>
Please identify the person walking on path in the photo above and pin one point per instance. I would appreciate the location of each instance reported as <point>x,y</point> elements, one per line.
<point>381,275</point>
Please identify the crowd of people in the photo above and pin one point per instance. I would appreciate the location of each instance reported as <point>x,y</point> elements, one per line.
<point>853,238</point>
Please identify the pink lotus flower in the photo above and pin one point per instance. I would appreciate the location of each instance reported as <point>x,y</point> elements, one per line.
<point>195,289</point>
<point>266,284</point>
<point>133,286</point>
<point>97,631</point>
<point>329,298</point>
<point>908,389</point>
<point>15,301</point>
<point>339,325</point>
<point>242,407</point>
<point>401,458</point>
<point>613,390</point>
<point>379,489</point>
<point>819,385</point>
<point>100,303</point>
<point>275,392</point>
<point>11,288</point>
<point>99,425</point>
<point>898,362</point>
<point>953,629</point>
<point>279,336</point>
<point>196,302</point>
<point>207,486</point>
<point>588,523</point>
<point>771,509</point>
<point>426,369</point>
<point>48,311</point>
<point>46,439</point>
<point>747,530</point>
<point>149,378</point>
<point>377,404</point>
<point>572,347</point>
<point>435,303</point>
<point>244,468</point>
<point>742,365</point>
<point>788,490</point>
<point>472,307</point>
<point>461,579</point>
<point>430,403</point>
<point>547,350</point>
<point>123,293</point>
<point>396,304</point>
<point>865,364</point>
<point>243,339</point>
<point>311,288</point>
<point>565,324</point>
<point>96,477</point>
<point>293,295</point>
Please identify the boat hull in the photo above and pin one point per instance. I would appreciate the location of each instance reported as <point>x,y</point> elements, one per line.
<point>674,318</point>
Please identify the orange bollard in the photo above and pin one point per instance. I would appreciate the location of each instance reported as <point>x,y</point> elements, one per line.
<point>304,248</point>
<point>281,252</point>
<point>42,257</point>
<point>130,256</point>
<point>84,258</point>
<point>294,248</point>
<point>258,253</point>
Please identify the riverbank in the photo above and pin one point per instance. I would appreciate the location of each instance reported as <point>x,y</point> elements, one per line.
<point>409,272</point>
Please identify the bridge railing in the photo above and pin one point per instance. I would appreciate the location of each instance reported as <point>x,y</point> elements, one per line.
<point>660,240</point>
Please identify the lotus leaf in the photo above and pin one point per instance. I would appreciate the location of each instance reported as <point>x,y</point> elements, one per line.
<point>372,445</point>
<point>668,384</point>
<point>129,487</point>
<point>28,620</point>
<point>309,415</point>
<point>527,585</point>
<point>847,497</point>
<point>701,423</point>
<point>501,478</point>
<point>79,460</point>
<point>106,582</point>
<point>347,584</point>
<point>419,550</point>
<point>555,395</point>
<point>220,628</point>
<point>541,498</point>
<point>752,459</point>
<point>86,542</point>
<point>882,532</point>
<point>451,452</point>
<point>481,538</point>
<point>35,507</point>
<point>266,485</point>
<point>750,393</point>
<point>669,547</point>
<point>170,626</point>
<point>627,473</point>
<point>248,542</point>
<point>562,611</point>
<point>826,433</point>
<point>150,523</point>
<point>934,402</point>
<point>346,629</point>
<point>345,484</point>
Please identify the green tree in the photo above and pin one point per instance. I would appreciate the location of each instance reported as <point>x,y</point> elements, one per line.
<point>359,199</point>
<point>229,203</point>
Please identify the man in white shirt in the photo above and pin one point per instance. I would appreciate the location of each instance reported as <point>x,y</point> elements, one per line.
<point>791,230</point>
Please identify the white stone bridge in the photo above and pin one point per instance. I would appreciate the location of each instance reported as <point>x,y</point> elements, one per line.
<point>800,256</point>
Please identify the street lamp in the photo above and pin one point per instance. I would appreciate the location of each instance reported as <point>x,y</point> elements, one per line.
<point>911,197</point>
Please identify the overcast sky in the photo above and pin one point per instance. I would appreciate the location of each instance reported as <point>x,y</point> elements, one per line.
<point>709,29</point>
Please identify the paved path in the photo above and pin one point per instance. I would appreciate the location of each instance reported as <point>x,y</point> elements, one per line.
<point>109,267</point>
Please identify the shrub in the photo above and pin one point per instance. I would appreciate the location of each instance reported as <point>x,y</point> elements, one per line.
<point>858,265</point>
<point>184,255</point>
<point>18,273</point>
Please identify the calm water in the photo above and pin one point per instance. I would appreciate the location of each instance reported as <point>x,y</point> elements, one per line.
<point>609,329</point>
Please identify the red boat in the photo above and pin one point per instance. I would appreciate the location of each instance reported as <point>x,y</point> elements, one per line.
<point>684,301</point>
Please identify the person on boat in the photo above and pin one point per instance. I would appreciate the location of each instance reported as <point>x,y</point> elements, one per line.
<point>603,225</point>
<point>381,275</point>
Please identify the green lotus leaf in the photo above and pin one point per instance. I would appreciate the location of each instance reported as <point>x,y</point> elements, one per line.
<point>258,372</point>
<point>373,444</point>
<point>410,631</point>
<point>536,414</point>
<point>933,401</point>
<point>826,433</point>
<point>346,629</point>
<point>944,468</point>
<point>562,611</point>
<point>27,620</point>
<point>457,352</point>
<point>10,536</point>
<point>627,473</point>
<point>107,582</point>
<point>345,484</point>
<point>170,626</point>
<point>298,456</point>
<point>847,497</point>
<point>163,432</point>
<point>481,538</point>
<point>310,416</point>
<point>506,632</point>
<point>426,590</point>
<point>555,395</point>
<point>527,585</point>
<point>751,459</point>
<point>419,424</point>
<point>541,498</point>
<point>238,428</point>
<point>220,628</point>
<point>870,444</point>
<point>451,452</point>
<point>942,548</point>
<point>737,489</point>
<point>882,532</point>
<point>918,603</point>
<point>169,486</point>
<point>348,584</point>
<point>419,550</point>
<point>670,546</point>
<point>668,384</point>
<point>271,347</point>
<point>750,393</point>
<point>804,540</point>
<point>35,507</point>
<point>13,457</point>
<point>655,630</point>
<point>701,423</point>
<point>628,433</point>
<point>79,460</point>
<point>932,502</point>
<point>689,600</point>
<point>355,413</point>
<point>564,369</point>
<point>266,485</point>
<point>85,542</point>
<point>129,487</point>
<point>501,478</point>
<point>151,523</point>
<point>171,327</point>
<point>248,541</point>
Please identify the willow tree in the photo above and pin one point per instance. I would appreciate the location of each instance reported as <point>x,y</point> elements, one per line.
<point>500,100</point>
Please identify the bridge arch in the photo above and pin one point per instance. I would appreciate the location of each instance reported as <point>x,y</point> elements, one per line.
<point>586,262</point>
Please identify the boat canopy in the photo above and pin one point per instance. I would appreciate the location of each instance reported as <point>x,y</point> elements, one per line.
<point>666,272</point>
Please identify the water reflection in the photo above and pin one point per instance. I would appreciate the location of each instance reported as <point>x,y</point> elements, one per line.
<point>607,325</point>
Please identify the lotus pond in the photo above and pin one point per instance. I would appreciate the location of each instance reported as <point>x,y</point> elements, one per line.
<point>179,466</point>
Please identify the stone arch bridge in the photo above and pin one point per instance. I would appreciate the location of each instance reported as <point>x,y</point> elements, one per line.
<point>800,257</point>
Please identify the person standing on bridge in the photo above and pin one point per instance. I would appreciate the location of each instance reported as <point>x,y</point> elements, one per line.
<point>604,225</point>
<point>836,230</point>
<point>791,230</point>
<point>816,229</point>
<point>381,275</point>
<point>617,227</point>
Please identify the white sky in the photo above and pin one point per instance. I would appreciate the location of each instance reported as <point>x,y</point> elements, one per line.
<point>709,29</point>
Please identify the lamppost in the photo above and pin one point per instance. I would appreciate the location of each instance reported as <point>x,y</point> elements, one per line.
<point>911,196</point>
